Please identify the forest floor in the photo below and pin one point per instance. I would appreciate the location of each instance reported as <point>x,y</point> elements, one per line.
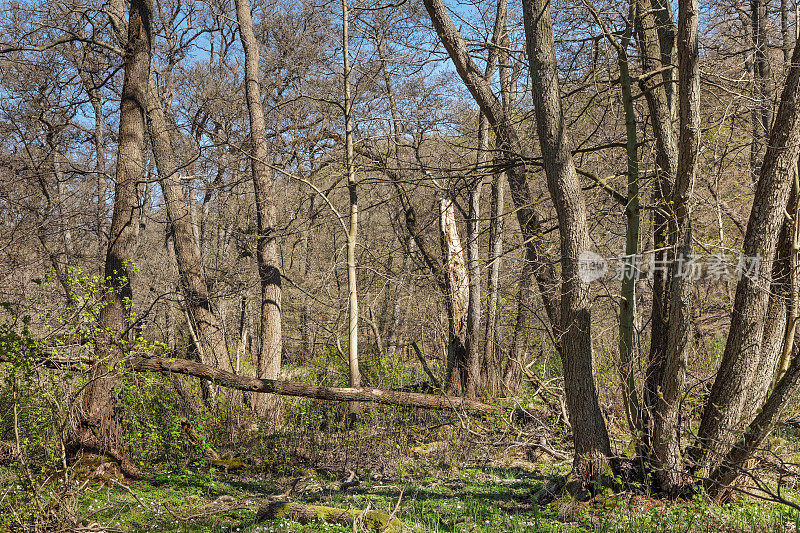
<point>473,499</point>
<point>438,483</point>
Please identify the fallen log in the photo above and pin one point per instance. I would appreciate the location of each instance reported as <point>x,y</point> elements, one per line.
<point>306,390</point>
<point>142,363</point>
<point>306,514</point>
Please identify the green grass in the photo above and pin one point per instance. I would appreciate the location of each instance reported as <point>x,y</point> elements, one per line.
<point>470,499</point>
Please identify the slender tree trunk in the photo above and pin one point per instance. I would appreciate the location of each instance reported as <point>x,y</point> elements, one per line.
<point>509,146</point>
<point>472,336</point>
<point>268,362</point>
<point>725,406</point>
<point>98,402</point>
<point>630,274</point>
<point>665,430</point>
<point>212,349</point>
<point>393,326</point>
<point>493,352</point>
<point>517,358</point>
<point>307,330</point>
<point>352,232</point>
<point>100,167</point>
<point>592,445</point>
<point>656,40</point>
<point>792,250</point>
<point>761,74</point>
<point>775,328</point>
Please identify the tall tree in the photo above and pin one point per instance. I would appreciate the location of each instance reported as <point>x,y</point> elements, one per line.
<point>665,437</point>
<point>590,435</point>
<point>352,190</point>
<point>211,342</point>
<point>268,362</point>
<point>725,409</point>
<point>98,401</point>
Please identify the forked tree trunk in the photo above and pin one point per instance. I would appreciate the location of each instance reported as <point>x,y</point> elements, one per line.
<point>726,405</point>
<point>212,348</point>
<point>655,37</point>
<point>592,445</point>
<point>98,401</point>
<point>268,362</point>
<point>665,430</point>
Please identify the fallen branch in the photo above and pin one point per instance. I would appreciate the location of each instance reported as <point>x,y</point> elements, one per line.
<point>306,390</point>
<point>294,388</point>
<point>425,367</point>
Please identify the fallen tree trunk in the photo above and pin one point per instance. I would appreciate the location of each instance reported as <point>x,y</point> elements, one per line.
<point>287,388</point>
<point>306,390</point>
<point>306,514</point>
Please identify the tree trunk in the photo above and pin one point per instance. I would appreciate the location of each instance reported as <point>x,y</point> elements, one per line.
<point>98,402</point>
<point>592,446</point>
<point>725,406</point>
<point>393,327</point>
<point>472,344</point>
<point>517,359</point>
<point>656,40</point>
<point>762,112</point>
<point>212,348</point>
<point>665,430</point>
<point>100,166</point>
<point>458,300</point>
<point>630,273</point>
<point>352,231</point>
<point>733,463</point>
<point>493,353</point>
<point>268,362</point>
<point>509,147</point>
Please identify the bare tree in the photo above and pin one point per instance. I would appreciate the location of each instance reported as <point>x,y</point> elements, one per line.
<point>592,445</point>
<point>98,402</point>
<point>269,350</point>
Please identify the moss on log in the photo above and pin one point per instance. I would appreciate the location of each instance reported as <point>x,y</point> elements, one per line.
<point>305,514</point>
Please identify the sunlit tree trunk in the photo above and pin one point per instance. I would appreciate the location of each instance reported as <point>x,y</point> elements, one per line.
<point>352,189</point>
<point>268,361</point>
<point>592,445</point>
<point>98,401</point>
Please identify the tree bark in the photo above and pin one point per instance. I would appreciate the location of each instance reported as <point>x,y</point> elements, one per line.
<point>733,463</point>
<point>592,445</point>
<point>98,402</point>
<point>656,40</point>
<point>268,362</point>
<point>725,406</point>
<point>457,291</point>
<point>352,189</point>
<point>762,112</point>
<point>665,430</point>
<point>509,147</point>
<point>212,348</point>
<point>493,360</point>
